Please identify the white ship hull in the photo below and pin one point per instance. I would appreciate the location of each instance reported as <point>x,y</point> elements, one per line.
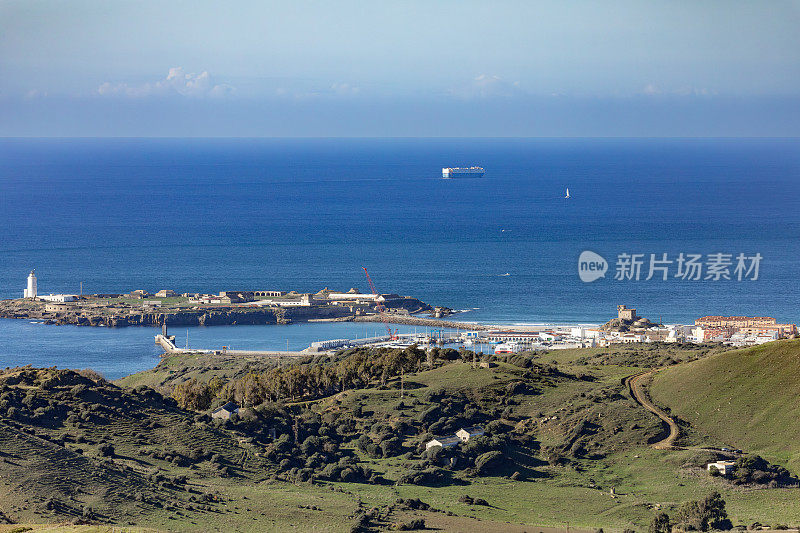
<point>470,172</point>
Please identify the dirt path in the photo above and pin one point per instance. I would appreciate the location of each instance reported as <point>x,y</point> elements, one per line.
<point>636,388</point>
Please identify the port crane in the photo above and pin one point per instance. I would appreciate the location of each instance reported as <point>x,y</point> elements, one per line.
<point>379,305</point>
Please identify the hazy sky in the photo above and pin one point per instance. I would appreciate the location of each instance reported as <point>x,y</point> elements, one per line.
<point>491,68</point>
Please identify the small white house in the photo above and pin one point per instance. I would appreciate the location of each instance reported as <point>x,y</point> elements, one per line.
<point>226,411</point>
<point>725,468</point>
<point>629,338</point>
<point>444,442</point>
<point>467,433</point>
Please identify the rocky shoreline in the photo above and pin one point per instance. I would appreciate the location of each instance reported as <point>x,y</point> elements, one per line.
<point>89,314</point>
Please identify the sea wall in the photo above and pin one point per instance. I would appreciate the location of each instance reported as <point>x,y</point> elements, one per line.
<point>422,321</point>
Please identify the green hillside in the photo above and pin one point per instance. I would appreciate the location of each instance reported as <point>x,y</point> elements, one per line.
<point>562,432</point>
<point>748,399</point>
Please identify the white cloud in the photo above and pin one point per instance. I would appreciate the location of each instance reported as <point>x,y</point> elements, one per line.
<point>651,89</point>
<point>35,93</point>
<point>345,89</point>
<point>486,86</point>
<point>177,82</point>
<point>335,90</point>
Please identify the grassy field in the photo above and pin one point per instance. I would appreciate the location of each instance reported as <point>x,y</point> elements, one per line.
<point>644,480</point>
<point>746,399</point>
<point>590,439</point>
<point>175,369</point>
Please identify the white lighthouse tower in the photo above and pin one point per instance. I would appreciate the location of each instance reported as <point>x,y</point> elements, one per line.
<point>31,292</point>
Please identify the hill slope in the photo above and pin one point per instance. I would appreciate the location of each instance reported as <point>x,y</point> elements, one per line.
<point>747,399</point>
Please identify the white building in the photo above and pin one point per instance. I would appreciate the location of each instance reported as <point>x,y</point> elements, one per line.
<point>698,334</point>
<point>467,433</point>
<point>332,344</point>
<point>304,301</point>
<point>766,337</point>
<point>444,442</point>
<point>723,467</point>
<point>59,298</point>
<point>31,291</point>
<point>340,296</point>
<point>577,333</point>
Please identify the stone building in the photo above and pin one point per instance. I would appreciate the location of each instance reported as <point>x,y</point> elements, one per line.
<point>734,321</point>
<point>625,313</point>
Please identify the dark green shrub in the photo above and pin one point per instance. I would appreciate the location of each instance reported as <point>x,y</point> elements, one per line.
<point>486,463</point>
<point>706,513</point>
<point>106,450</point>
<point>660,524</point>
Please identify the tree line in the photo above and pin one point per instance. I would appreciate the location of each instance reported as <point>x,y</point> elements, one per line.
<point>355,368</point>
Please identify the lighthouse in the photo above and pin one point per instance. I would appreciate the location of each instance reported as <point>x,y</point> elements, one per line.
<point>30,292</point>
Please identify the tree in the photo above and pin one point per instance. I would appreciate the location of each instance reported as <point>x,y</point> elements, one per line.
<point>660,524</point>
<point>486,462</point>
<point>192,394</point>
<point>705,513</point>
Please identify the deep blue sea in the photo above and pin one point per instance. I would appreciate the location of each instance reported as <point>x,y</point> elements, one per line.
<point>210,214</point>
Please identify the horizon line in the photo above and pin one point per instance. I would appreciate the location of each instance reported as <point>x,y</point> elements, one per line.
<point>510,137</point>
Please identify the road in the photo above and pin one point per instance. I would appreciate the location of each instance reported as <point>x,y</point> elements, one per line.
<point>636,388</point>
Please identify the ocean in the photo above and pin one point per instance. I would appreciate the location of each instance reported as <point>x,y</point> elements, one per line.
<point>205,215</point>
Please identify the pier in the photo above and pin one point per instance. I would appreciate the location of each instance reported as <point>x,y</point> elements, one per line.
<point>326,347</point>
<point>167,342</point>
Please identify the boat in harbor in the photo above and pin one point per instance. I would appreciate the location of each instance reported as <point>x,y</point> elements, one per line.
<point>462,172</point>
<point>507,347</point>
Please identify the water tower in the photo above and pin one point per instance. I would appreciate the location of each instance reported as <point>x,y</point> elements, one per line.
<point>31,291</point>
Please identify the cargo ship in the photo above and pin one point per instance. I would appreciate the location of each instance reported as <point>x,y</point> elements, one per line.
<point>459,172</point>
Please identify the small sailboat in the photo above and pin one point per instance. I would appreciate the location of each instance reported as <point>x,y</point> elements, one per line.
<point>567,195</point>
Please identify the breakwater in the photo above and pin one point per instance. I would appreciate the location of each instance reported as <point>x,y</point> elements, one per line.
<point>423,321</point>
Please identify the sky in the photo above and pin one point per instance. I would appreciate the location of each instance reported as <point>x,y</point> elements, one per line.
<point>403,68</point>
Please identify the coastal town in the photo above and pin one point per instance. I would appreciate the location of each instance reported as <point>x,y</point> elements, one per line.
<point>627,328</point>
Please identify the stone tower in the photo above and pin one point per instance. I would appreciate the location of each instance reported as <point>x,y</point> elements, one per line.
<point>625,313</point>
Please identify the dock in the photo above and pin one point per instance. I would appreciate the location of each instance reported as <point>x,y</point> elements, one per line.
<point>167,342</point>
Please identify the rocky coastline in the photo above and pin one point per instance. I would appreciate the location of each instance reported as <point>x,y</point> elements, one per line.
<point>89,314</point>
